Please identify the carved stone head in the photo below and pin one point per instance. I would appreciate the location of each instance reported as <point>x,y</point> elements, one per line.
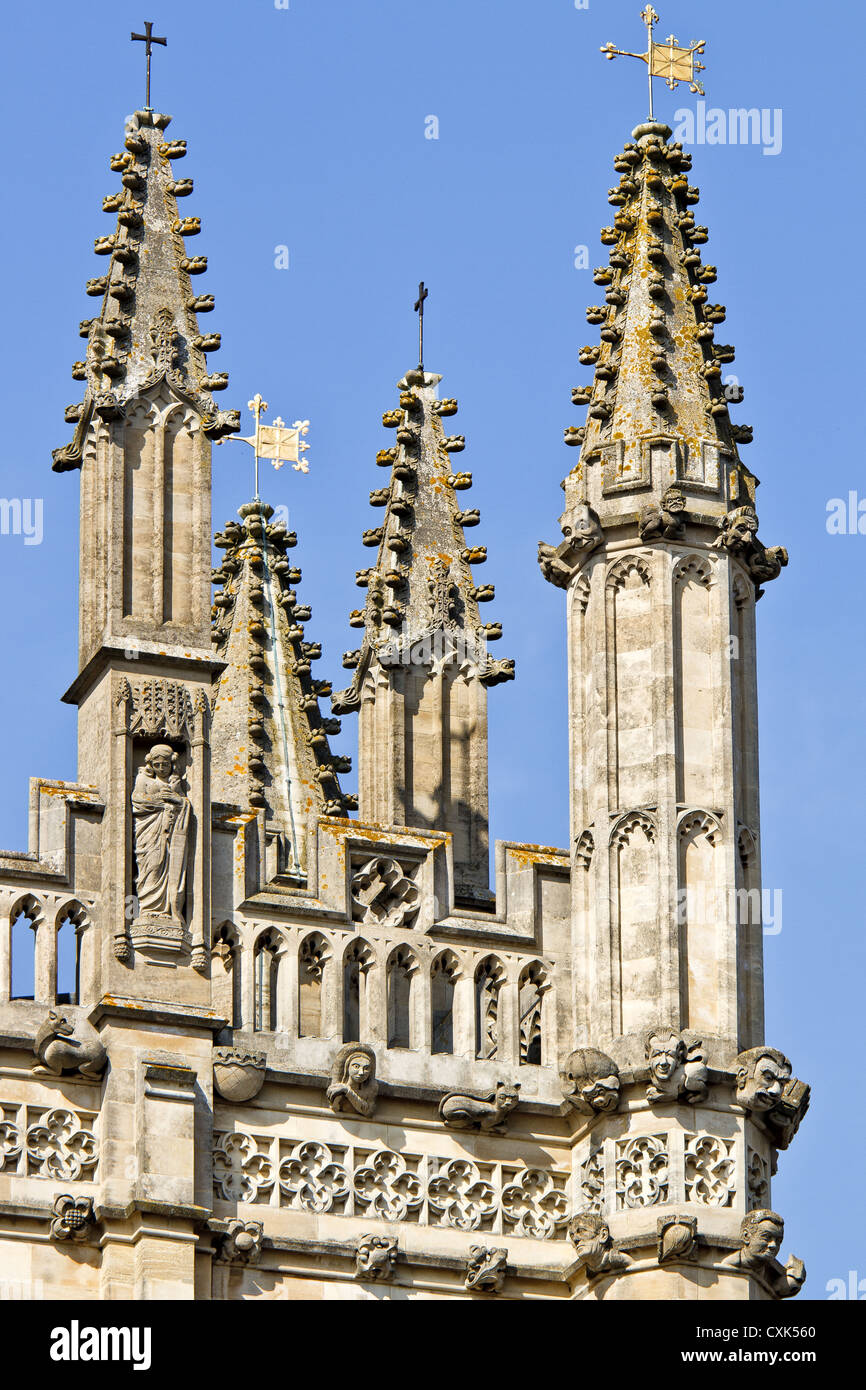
<point>761,1076</point>
<point>355,1066</point>
<point>590,1081</point>
<point>590,1235</point>
<point>161,761</point>
<point>665,1052</point>
<point>762,1231</point>
<point>506,1097</point>
<point>674,500</point>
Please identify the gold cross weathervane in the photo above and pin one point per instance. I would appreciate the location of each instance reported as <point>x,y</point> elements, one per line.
<point>277,442</point>
<point>148,38</point>
<point>668,60</point>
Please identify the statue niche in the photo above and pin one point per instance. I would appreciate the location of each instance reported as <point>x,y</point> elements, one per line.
<point>161,821</point>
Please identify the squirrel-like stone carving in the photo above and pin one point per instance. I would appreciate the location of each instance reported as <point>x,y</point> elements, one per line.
<point>486,1113</point>
<point>353,1080</point>
<point>59,1051</point>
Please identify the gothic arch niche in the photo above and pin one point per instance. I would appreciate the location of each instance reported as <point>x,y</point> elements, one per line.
<point>533,984</point>
<point>313,958</point>
<point>73,966</point>
<point>25,920</point>
<point>139,519</point>
<point>694,696</point>
<point>267,954</point>
<point>226,974</point>
<point>579,680</point>
<point>357,962</point>
<point>489,980</point>
<point>750,936</point>
<point>744,695</point>
<point>444,973</point>
<point>702,915</point>
<point>628,612</point>
<point>635,948</point>
<point>402,967</point>
<point>178,512</point>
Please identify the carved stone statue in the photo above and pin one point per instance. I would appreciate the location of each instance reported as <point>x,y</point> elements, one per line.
<point>376,1257</point>
<point>487,1113</point>
<point>761,1075</point>
<point>677,1068</point>
<point>762,1232</point>
<point>590,1081</point>
<point>59,1051</point>
<point>353,1080</point>
<point>664,520</point>
<point>486,1269</point>
<point>589,1233</point>
<point>161,816</point>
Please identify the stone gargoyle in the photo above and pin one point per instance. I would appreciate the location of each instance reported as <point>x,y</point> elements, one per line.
<point>590,1081</point>
<point>664,520</point>
<point>486,1113</point>
<point>583,534</point>
<point>677,1067</point>
<point>58,1049</point>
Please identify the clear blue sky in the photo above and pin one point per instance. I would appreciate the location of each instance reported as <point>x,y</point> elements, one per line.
<point>306,128</point>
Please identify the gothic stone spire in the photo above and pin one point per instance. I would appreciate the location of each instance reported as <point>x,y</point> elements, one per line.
<point>143,430</point>
<point>422,669</point>
<point>269,739</point>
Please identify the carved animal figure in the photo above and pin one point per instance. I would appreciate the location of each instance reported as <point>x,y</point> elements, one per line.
<point>487,1113</point>
<point>59,1050</point>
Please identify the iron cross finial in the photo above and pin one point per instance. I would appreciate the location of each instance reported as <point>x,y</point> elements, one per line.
<point>419,310</point>
<point>148,38</point>
<point>670,60</point>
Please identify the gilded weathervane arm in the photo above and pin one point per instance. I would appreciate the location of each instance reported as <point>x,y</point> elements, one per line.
<point>671,61</point>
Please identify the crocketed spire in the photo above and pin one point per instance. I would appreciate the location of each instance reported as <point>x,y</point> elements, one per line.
<point>422,582</point>
<point>269,739</point>
<point>659,447</point>
<point>146,330</point>
<point>422,669</point>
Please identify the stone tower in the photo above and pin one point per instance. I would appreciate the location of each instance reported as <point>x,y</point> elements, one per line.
<point>309,1055</point>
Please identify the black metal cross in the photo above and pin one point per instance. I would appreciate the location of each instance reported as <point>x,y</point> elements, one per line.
<point>419,310</point>
<point>148,38</point>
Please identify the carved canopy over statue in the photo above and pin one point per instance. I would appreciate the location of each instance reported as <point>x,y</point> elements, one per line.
<point>161,815</point>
